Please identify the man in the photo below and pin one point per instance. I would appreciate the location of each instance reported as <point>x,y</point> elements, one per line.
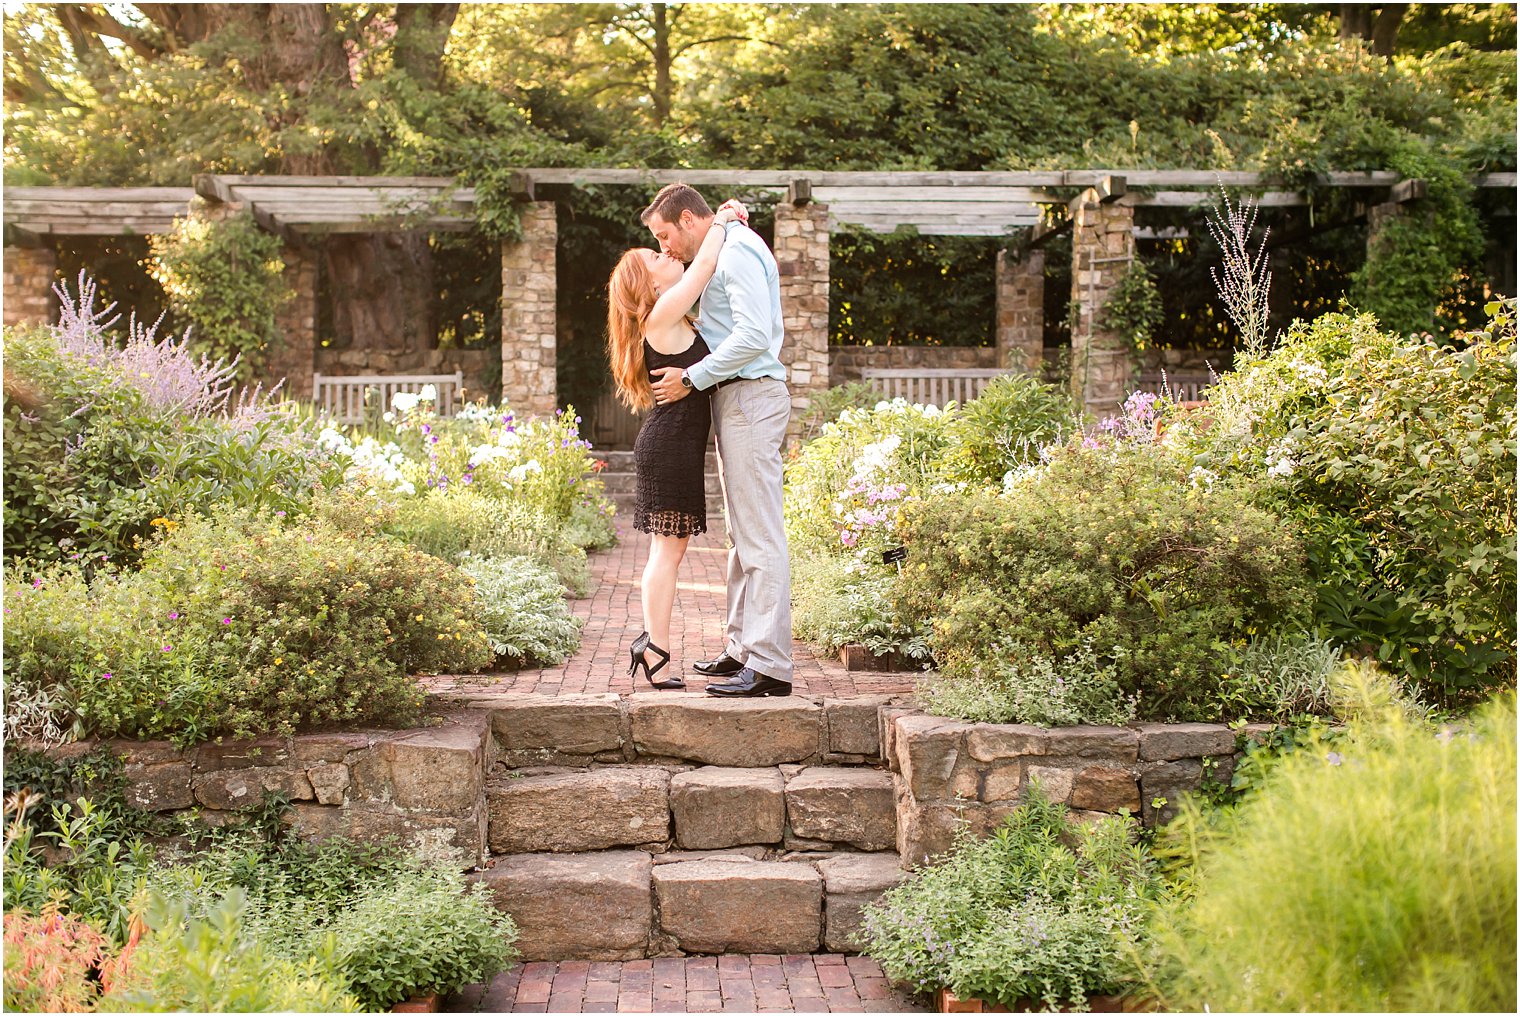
<point>740,319</point>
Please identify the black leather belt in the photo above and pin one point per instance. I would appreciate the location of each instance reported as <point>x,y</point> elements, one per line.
<point>732,381</point>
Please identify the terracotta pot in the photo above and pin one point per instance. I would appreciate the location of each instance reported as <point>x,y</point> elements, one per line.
<point>856,657</point>
<point>418,1003</point>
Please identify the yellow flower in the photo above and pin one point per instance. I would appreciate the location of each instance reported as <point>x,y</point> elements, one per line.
<point>279,660</point>
<point>419,617</point>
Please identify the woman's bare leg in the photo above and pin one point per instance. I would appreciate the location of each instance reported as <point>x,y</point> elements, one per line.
<point>658,590</point>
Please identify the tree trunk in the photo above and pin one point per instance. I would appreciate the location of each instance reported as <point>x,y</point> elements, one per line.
<point>662,58</point>
<point>1385,31</point>
<point>382,293</point>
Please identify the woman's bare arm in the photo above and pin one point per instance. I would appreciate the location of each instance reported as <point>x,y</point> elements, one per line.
<point>678,299</point>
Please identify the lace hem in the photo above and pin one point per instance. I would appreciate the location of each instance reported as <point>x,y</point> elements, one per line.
<point>669,523</point>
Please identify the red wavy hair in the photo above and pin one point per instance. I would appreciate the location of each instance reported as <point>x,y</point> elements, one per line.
<point>630,298</point>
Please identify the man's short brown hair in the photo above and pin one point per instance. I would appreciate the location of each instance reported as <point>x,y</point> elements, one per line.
<point>674,199</point>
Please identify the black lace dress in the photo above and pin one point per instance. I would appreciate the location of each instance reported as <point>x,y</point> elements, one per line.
<point>670,453</point>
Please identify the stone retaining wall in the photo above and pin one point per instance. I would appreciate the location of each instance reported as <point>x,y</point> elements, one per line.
<point>949,774</point>
<point>424,786</point>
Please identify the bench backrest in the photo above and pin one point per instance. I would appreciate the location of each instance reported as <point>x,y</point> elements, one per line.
<point>1179,386</point>
<point>930,386</point>
<point>343,397</point>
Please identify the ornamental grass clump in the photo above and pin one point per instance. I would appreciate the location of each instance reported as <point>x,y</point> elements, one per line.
<point>1377,876</point>
<point>1042,911</point>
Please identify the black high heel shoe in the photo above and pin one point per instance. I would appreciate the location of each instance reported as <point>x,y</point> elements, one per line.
<point>642,645</point>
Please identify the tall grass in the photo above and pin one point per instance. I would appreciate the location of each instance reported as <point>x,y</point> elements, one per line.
<point>1377,878</point>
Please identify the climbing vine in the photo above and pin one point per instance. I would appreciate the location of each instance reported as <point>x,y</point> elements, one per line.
<point>1133,310</point>
<point>224,279</point>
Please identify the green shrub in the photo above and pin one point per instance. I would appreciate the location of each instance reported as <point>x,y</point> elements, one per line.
<point>1111,547</point>
<point>452,936</point>
<point>1041,910</point>
<point>226,277</point>
<point>833,606</point>
<point>1378,876</point>
<point>245,623</point>
<point>523,610</point>
<point>1281,676</point>
<point>1026,687</point>
<point>211,964</point>
<point>455,522</point>
<point>107,439</point>
<point>826,406</point>
<point>336,904</point>
<point>1005,427</point>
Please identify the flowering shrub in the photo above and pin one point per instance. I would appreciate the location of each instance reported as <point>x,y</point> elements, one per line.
<point>1042,911</point>
<point>101,438</point>
<point>245,623</point>
<point>1005,427</point>
<point>1110,548</point>
<point>1396,458</point>
<point>1018,685</point>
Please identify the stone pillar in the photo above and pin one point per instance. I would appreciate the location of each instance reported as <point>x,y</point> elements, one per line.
<point>1021,311</point>
<point>29,276</point>
<point>1102,248</point>
<point>529,344</point>
<point>802,255</point>
<point>296,321</point>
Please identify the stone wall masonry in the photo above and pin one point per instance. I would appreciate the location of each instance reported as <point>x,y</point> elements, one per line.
<point>529,345</point>
<point>951,775</point>
<point>802,257</point>
<point>28,295</point>
<point>1102,248</point>
<point>425,786</point>
<point>1020,283</point>
<point>294,361</point>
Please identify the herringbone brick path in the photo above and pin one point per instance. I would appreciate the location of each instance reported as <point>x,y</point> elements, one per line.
<point>612,618</point>
<point>753,984</point>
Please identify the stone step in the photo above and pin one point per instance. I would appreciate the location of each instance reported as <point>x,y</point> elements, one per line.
<point>796,808</point>
<point>629,904</point>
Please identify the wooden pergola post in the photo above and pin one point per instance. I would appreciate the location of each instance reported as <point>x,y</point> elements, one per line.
<point>529,345</point>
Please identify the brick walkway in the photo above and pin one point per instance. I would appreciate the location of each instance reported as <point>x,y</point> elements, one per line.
<point>612,618</point>
<point>754,984</point>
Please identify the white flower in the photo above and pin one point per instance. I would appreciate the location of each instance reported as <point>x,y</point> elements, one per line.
<point>429,393</point>
<point>521,471</point>
<point>1201,477</point>
<point>405,402</point>
<point>1282,467</point>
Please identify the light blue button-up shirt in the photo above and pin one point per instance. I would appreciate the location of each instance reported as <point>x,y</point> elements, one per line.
<point>740,314</point>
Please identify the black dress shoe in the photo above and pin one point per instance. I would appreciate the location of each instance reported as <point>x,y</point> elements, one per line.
<point>750,684</point>
<point>724,666</point>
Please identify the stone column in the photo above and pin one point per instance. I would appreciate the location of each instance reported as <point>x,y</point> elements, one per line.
<point>296,321</point>
<point>529,343</point>
<point>1021,311</point>
<point>1102,247</point>
<point>29,276</point>
<point>802,255</point>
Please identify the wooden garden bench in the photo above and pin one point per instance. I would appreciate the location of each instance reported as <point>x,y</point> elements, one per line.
<point>343,397</point>
<point>931,386</point>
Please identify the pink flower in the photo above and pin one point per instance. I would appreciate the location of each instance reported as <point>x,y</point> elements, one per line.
<point>226,620</point>
<point>167,649</point>
<point>107,675</point>
<point>174,615</point>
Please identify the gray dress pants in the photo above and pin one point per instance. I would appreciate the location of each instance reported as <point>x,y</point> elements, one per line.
<point>750,420</point>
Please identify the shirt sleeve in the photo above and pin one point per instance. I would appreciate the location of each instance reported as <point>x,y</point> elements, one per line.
<point>743,278</point>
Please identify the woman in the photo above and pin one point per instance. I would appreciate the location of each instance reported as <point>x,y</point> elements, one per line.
<point>648,327</point>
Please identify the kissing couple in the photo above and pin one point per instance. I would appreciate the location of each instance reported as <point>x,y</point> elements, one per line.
<point>717,370</point>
